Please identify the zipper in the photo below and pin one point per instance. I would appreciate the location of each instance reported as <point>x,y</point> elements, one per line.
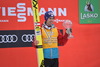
<point>51,52</point>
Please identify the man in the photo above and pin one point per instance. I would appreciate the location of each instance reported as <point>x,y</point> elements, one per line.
<point>51,37</point>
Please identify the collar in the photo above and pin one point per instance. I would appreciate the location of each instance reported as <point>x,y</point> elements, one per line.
<point>47,27</point>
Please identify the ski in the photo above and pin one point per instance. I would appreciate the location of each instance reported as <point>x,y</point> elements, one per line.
<point>37,29</point>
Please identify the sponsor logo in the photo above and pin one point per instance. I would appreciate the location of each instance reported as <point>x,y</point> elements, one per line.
<point>21,12</point>
<point>27,37</point>
<point>8,38</point>
<point>14,38</point>
<point>89,9</point>
<point>89,15</point>
<point>60,21</point>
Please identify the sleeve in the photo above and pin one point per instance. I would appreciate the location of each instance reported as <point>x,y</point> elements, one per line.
<point>62,39</point>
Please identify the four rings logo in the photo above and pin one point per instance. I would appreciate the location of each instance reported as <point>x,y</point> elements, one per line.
<point>14,38</point>
<point>8,38</point>
<point>27,37</point>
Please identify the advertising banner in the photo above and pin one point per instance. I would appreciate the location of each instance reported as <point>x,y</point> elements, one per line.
<point>16,20</point>
<point>89,11</point>
<point>16,23</point>
<point>16,15</point>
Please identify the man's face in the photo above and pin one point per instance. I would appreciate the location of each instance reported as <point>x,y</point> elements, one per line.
<point>50,21</point>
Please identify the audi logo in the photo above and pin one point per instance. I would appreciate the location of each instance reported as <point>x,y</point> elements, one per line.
<point>27,37</point>
<point>8,38</point>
